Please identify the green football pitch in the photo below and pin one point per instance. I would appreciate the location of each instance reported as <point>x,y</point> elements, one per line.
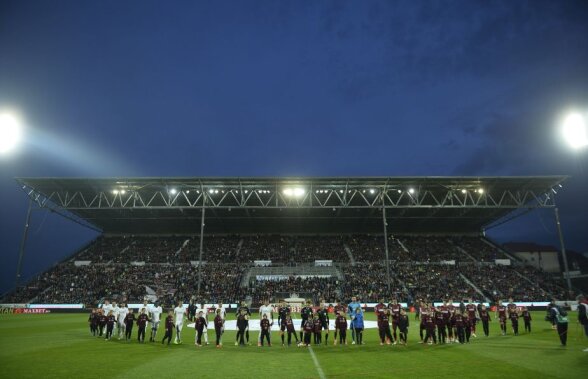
<point>60,346</point>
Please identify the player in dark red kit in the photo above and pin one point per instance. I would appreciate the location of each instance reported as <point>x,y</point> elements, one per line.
<point>429,322</point>
<point>441,327</point>
<point>142,321</point>
<point>341,327</point>
<point>424,312</point>
<point>384,327</point>
<point>265,327</point>
<point>380,307</point>
<point>290,329</point>
<point>395,314</point>
<point>169,327</point>
<point>485,318</point>
<point>527,318</point>
<point>338,308</point>
<point>403,324</point>
<point>459,322</point>
<point>471,310</point>
<point>110,321</point>
<point>501,316</point>
<point>129,322</point>
<point>219,324</point>
<point>199,325</point>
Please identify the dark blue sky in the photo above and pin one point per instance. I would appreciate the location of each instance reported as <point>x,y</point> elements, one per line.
<point>280,88</point>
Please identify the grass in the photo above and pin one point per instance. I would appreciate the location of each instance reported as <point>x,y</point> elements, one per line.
<point>60,346</point>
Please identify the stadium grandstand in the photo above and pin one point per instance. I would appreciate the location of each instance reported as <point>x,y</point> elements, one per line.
<point>232,239</point>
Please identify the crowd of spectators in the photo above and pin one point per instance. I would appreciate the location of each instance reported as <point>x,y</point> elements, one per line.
<point>435,282</point>
<point>369,282</point>
<point>168,273</point>
<point>133,249</point>
<point>311,287</point>
<point>478,249</point>
<point>431,249</point>
<point>104,249</point>
<point>272,247</point>
<point>370,248</point>
<point>215,249</point>
<point>67,283</point>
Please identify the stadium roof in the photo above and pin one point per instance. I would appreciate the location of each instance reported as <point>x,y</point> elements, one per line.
<point>291,205</point>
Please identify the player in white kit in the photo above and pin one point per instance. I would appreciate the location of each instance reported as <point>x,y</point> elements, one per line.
<point>106,307</point>
<point>223,311</point>
<point>115,310</point>
<point>122,313</point>
<point>267,310</point>
<point>179,313</point>
<point>155,312</point>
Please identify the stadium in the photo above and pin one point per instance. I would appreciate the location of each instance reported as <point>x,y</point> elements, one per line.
<point>226,241</point>
<point>293,189</point>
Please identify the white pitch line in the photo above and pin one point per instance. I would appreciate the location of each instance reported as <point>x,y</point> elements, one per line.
<point>316,363</point>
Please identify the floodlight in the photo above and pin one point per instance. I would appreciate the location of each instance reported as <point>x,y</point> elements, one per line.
<point>399,191</point>
<point>211,191</point>
<point>463,191</point>
<point>123,191</point>
<point>188,191</point>
<point>215,191</point>
<point>411,190</point>
<point>115,191</point>
<point>10,133</point>
<point>173,191</point>
<point>480,190</point>
<point>574,130</point>
<point>296,192</point>
<point>372,191</point>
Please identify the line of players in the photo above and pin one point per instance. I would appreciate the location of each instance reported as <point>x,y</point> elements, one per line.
<point>103,321</point>
<point>314,320</point>
<point>446,323</point>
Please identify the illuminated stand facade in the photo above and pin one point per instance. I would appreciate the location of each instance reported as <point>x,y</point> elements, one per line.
<point>374,205</point>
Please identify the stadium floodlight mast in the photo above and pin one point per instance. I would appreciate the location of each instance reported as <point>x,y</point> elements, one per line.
<point>573,129</point>
<point>10,132</point>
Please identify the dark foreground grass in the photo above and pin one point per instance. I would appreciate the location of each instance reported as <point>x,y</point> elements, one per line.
<point>59,346</point>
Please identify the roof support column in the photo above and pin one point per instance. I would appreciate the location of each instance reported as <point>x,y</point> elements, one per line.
<point>563,251</point>
<point>385,223</point>
<point>22,245</point>
<point>201,247</point>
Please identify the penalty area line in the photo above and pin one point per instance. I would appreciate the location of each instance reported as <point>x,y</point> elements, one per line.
<point>316,363</point>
